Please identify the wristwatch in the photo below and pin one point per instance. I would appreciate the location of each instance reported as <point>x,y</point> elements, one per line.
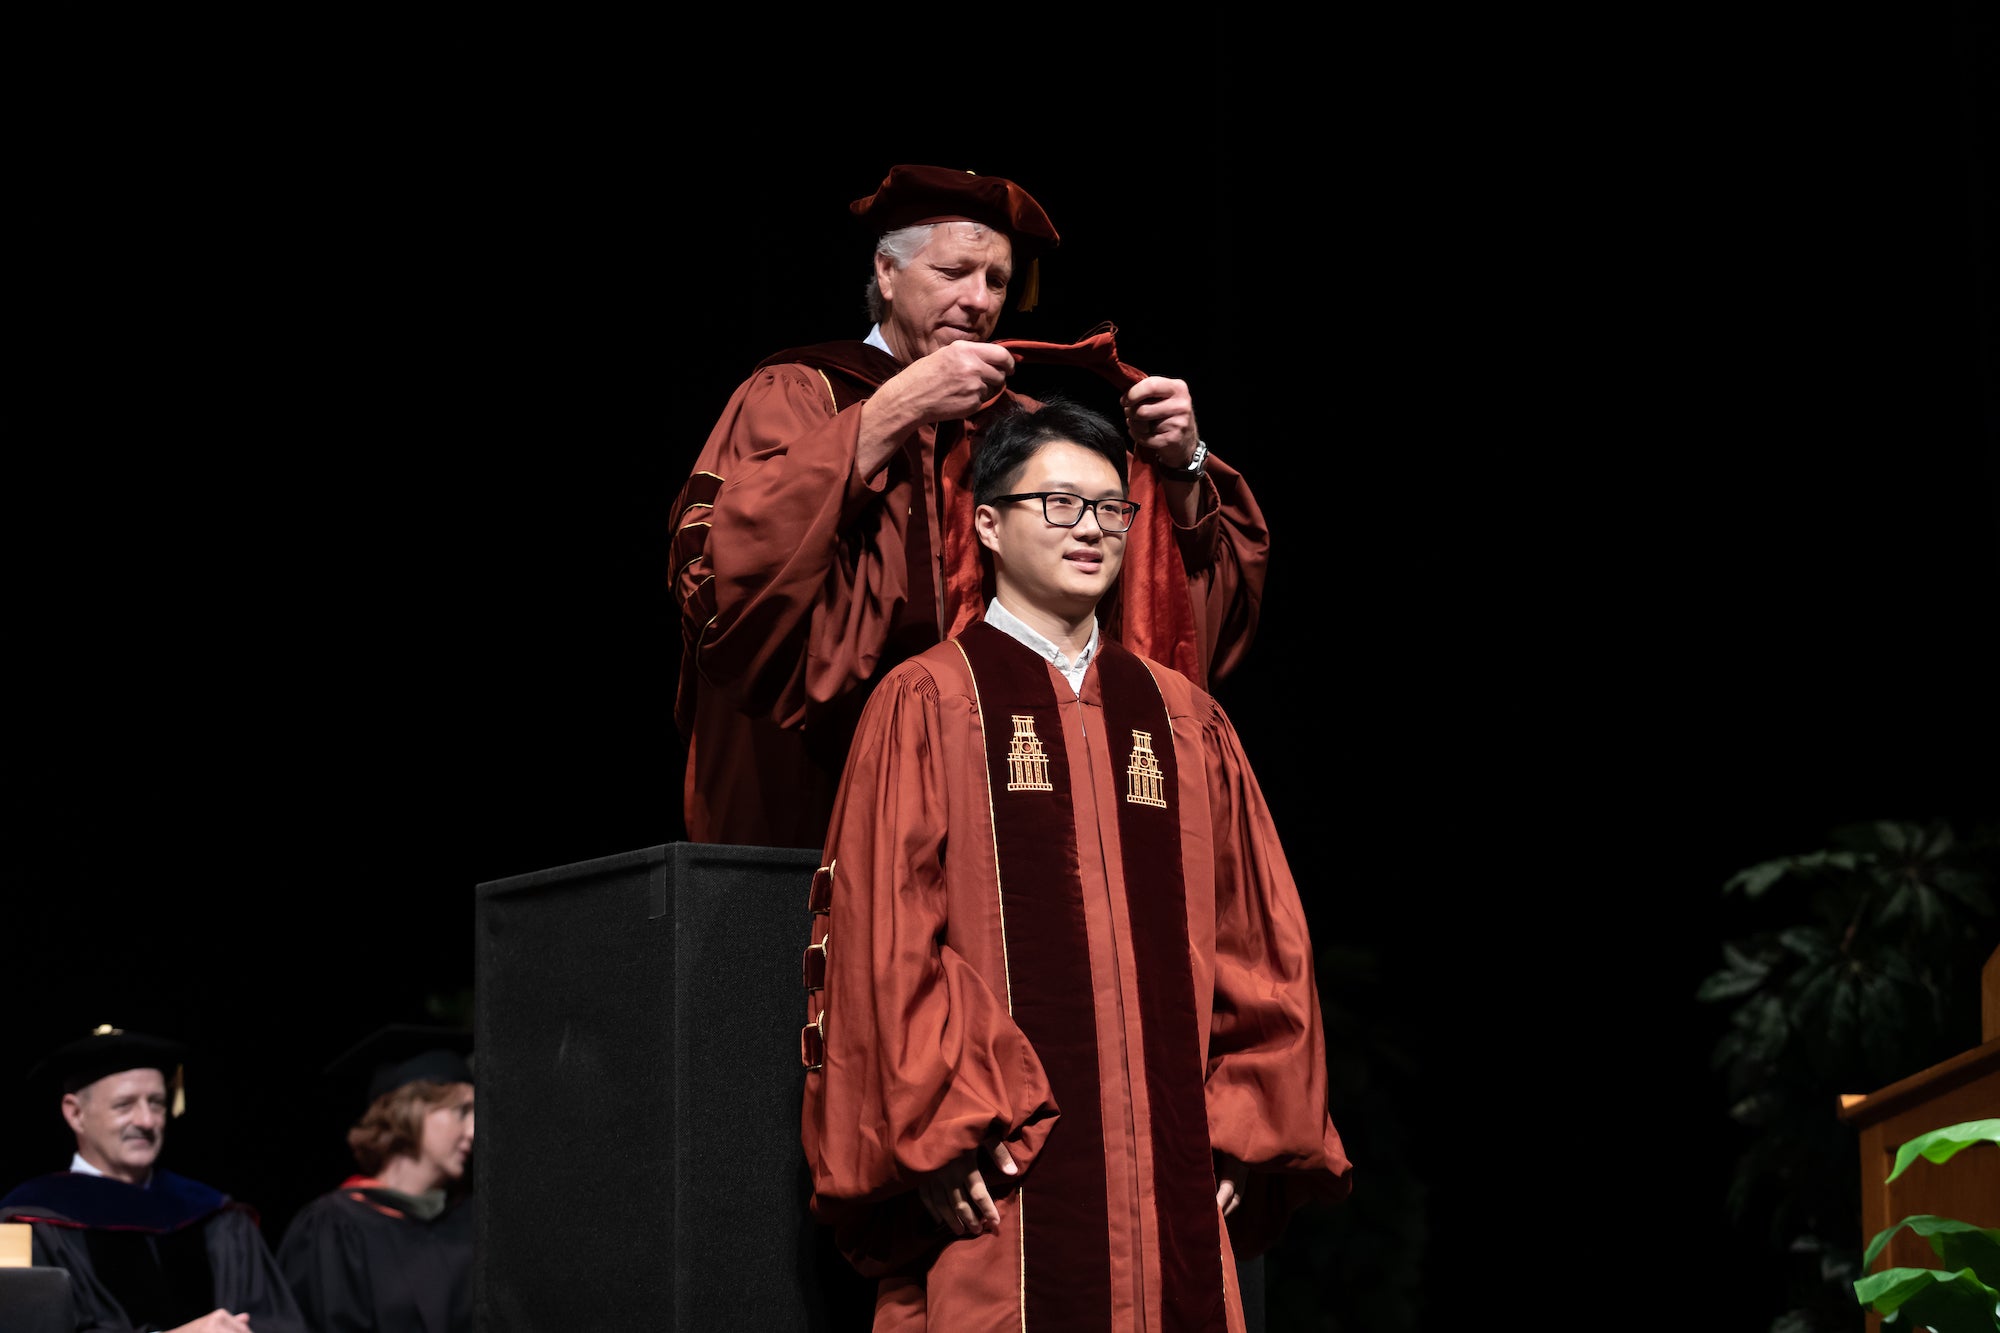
<point>1192,472</point>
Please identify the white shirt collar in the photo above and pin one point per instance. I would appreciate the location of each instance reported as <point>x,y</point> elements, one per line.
<point>1000,618</point>
<point>83,1168</point>
<point>875,339</point>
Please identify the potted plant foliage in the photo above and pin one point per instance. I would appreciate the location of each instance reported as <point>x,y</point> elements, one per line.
<point>1963,1294</point>
<point>1856,965</point>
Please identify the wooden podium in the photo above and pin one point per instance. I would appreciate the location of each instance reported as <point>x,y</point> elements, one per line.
<point>1965,1087</point>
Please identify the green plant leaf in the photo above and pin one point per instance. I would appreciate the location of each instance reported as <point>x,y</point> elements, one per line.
<point>1741,959</point>
<point>1862,837</point>
<point>1842,1010</point>
<point>1814,996</point>
<point>1938,839</point>
<point>1949,1300</point>
<point>1932,1229</point>
<point>1885,1019</point>
<point>1896,837</point>
<point>1763,1028</point>
<point>1740,974</point>
<point>1977,1249</point>
<point>1753,881</point>
<point>1967,886</point>
<point>1941,1145</point>
<point>1949,1308</point>
<point>1868,983</point>
<point>1728,985</point>
<point>1897,905</point>
<point>1898,968</point>
<point>1932,914</point>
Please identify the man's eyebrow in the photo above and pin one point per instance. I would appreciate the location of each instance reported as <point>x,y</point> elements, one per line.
<point>1071,488</point>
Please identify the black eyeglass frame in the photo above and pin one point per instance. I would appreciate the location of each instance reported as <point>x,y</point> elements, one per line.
<point>1089,507</point>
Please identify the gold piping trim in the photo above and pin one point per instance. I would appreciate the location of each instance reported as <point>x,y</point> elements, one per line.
<point>1021,1248</point>
<point>1163,698</point>
<point>1007,973</point>
<point>832,403</point>
<point>999,903</point>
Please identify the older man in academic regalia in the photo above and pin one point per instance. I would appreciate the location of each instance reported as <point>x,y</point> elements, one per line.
<point>825,533</point>
<point>146,1249</point>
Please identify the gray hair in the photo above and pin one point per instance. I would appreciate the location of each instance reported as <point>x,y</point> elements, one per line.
<point>901,246</point>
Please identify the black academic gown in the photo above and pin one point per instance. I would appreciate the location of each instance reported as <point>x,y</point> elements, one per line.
<point>361,1260</point>
<point>142,1259</point>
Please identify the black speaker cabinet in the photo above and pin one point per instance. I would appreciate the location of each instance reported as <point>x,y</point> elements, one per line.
<point>636,1029</point>
<point>637,1036</point>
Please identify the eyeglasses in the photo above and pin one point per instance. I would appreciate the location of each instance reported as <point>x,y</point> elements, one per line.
<point>1066,510</point>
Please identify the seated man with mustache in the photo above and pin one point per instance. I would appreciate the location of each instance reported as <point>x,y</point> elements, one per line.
<point>146,1249</point>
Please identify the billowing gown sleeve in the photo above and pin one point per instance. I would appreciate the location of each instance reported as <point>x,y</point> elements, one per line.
<point>1223,559</point>
<point>326,1262</point>
<point>247,1277</point>
<point>789,571</point>
<point>922,1061</point>
<point>1267,1071</point>
<point>1226,555</point>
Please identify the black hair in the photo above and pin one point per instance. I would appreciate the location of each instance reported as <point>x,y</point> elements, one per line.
<point>1019,435</point>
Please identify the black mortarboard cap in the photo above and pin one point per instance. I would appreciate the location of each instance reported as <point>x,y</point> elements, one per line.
<point>107,1051</point>
<point>400,1053</point>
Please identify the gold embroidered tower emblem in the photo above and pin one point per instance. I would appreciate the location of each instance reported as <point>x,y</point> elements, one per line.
<point>1027,761</point>
<point>1144,784</point>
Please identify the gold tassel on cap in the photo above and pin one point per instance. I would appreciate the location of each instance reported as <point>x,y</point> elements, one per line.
<point>1031,287</point>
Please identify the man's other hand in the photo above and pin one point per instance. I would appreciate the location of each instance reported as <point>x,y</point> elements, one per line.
<point>955,1194</point>
<point>1229,1177</point>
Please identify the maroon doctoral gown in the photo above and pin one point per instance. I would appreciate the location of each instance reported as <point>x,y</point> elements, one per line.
<point>1064,924</point>
<point>799,584</point>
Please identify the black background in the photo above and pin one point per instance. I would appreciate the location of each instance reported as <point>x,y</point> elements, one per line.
<point>1620,394</point>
